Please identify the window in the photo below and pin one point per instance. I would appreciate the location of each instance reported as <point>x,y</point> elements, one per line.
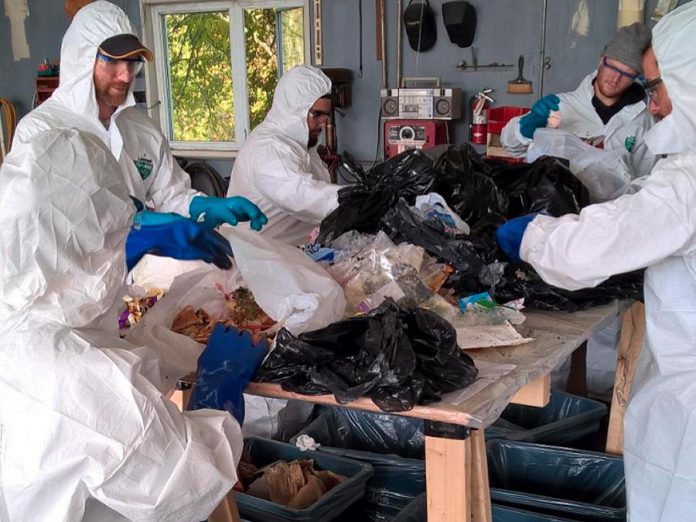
<point>216,67</point>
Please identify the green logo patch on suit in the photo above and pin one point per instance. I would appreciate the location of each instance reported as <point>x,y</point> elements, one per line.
<point>629,143</point>
<point>144,166</point>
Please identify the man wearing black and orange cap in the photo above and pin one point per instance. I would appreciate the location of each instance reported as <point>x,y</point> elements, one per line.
<point>100,57</point>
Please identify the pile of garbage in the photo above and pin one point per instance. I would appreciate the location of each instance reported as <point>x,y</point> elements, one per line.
<point>397,357</point>
<point>468,198</point>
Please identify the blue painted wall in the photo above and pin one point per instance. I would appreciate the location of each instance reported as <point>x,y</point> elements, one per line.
<point>506,29</point>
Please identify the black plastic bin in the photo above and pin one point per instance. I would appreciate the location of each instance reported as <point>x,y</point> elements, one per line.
<point>328,507</point>
<point>384,442</point>
<point>566,420</point>
<point>576,484</point>
<point>417,509</point>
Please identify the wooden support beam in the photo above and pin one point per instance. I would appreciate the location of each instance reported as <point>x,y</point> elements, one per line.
<point>630,344</point>
<point>536,393</point>
<point>447,464</point>
<point>480,492</point>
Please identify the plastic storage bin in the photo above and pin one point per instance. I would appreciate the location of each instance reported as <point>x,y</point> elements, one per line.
<point>497,119</point>
<point>566,421</point>
<point>416,512</point>
<point>580,485</point>
<point>328,507</point>
<point>382,441</point>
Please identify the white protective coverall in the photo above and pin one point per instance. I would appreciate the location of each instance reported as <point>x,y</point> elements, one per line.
<point>275,170</point>
<point>655,228</point>
<point>152,173</point>
<point>85,431</point>
<point>624,132</point>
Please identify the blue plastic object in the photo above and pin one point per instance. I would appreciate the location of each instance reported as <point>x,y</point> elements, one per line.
<point>575,484</point>
<point>384,442</point>
<point>538,115</point>
<point>509,235</point>
<point>328,507</point>
<point>231,210</point>
<point>225,367</point>
<point>416,512</point>
<point>185,239</point>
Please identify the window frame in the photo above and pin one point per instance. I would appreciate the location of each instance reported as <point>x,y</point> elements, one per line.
<point>156,84</point>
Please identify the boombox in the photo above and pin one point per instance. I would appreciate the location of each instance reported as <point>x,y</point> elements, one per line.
<point>422,104</point>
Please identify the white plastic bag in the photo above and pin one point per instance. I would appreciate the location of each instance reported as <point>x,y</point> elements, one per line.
<point>287,284</point>
<point>603,172</point>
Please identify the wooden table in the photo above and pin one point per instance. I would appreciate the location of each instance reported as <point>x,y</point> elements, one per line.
<point>455,452</point>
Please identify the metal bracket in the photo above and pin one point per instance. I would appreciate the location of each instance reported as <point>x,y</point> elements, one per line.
<point>445,430</point>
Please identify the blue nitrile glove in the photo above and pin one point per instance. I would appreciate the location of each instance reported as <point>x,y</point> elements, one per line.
<point>538,115</point>
<point>183,239</point>
<point>509,235</point>
<point>225,367</point>
<point>227,210</point>
<point>149,218</point>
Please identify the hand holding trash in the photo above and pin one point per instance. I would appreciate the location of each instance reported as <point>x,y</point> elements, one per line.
<point>227,210</point>
<point>182,239</point>
<point>509,235</point>
<point>539,115</point>
<point>225,367</point>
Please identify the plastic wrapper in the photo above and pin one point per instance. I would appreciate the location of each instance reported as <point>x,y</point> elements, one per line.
<point>580,485</point>
<point>397,357</point>
<point>382,270</point>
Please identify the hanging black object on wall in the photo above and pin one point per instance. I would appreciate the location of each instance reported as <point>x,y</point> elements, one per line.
<point>460,21</point>
<point>419,22</point>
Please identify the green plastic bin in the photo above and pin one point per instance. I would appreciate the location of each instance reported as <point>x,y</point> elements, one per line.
<point>564,482</point>
<point>329,507</point>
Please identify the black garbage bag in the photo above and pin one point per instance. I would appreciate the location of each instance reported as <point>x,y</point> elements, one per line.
<point>464,180</point>
<point>520,280</point>
<point>362,204</point>
<point>397,357</point>
<point>546,186</point>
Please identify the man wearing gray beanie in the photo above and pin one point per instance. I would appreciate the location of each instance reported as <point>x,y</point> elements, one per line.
<point>607,109</point>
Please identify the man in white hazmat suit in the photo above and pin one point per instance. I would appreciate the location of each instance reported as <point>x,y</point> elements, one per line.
<point>100,57</point>
<point>278,167</point>
<point>654,228</point>
<point>608,105</point>
<point>86,432</point>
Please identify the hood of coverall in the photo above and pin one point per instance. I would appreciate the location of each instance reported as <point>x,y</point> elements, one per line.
<point>92,24</point>
<point>673,43</point>
<point>296,92</point>
<point>64,216</point>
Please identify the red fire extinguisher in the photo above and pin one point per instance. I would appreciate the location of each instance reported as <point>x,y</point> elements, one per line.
<point>478,103</point>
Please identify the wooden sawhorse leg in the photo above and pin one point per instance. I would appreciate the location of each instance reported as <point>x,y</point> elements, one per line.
<point>456,474</point>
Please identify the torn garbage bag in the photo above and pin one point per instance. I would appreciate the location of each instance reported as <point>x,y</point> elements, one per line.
<point>395,356</point>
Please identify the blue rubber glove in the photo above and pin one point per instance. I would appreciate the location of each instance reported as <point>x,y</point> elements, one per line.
<point>539,115</point>
<point>149,218</point>
<point>182,239</point>
<point>509,235</point>
<point>225,367</point>
<point>227,210</point>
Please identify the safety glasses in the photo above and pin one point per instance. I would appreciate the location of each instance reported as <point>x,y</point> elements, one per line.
<point>652,86</point>
<point>113,65</point>
<point>621,73</point>
<point>319,115</point>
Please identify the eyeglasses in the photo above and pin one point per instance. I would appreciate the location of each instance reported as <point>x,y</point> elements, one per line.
<point>114,64</point>
<point>621,73</point>
<point>319,115</point>
<point>651,87</point>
